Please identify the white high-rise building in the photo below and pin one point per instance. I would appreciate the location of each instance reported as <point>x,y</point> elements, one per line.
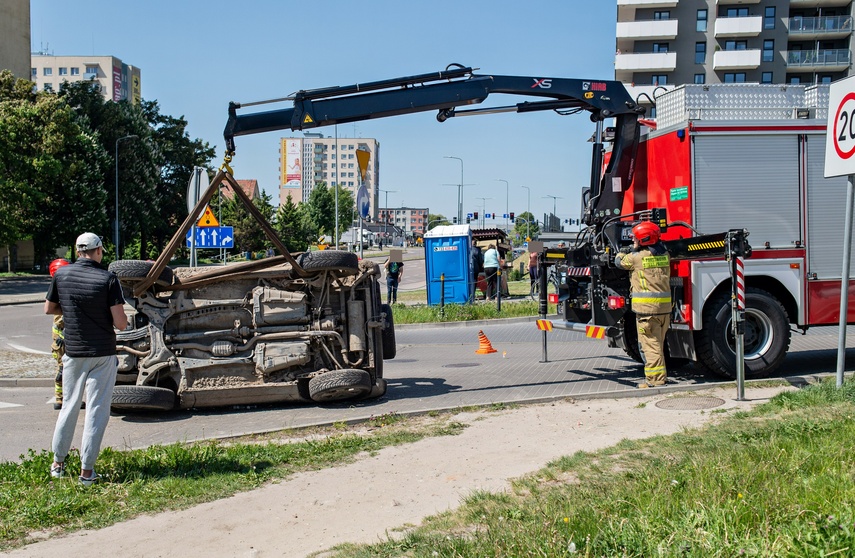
<point>117,81</point>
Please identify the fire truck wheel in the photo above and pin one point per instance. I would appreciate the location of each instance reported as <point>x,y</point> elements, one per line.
<point>767,335</point>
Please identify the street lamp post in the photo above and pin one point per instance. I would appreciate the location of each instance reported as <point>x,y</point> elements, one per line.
<point>507,207</point>
<point>554,198</point>
<point>459,191</point>
<point>386,220</point>
<point>528,210</point>
<point>116,230</point>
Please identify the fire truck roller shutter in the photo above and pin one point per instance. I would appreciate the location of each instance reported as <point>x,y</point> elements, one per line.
<point>748,180</point>
<point>826,213</point>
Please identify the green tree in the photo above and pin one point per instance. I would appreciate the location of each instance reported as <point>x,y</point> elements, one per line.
<point>526,222</point>
<point>51,170</point>
<point>248,233</point>
<point>291,225</point>
<point>436,220</point>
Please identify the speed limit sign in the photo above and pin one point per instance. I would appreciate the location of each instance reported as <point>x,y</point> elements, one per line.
<point>840,135</point>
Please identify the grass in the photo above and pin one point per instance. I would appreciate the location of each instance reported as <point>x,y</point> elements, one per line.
<point>776,481</point>
<point>177,476</point>
<point>412,307</point>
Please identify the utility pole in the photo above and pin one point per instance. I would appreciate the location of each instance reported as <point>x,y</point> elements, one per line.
<point>507,206</point>
<point>483,210</point>
<point>386,220</point>
<point>459,190</point>
<point>527,221</point>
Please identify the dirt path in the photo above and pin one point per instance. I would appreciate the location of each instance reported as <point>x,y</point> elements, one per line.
<point>362,501</point>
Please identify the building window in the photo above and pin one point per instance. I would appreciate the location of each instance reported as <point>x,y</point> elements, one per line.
<point>702,21</point>
<point>735,45</point>
<point>75,71</point>
<point>700,78</point>
<point>63,71</point>
<point>700,53</point>
<point>48,87</point>
<point>768,50</point>
<point>661,15</point>
<point>47,72</point>
<point>795,80</point>
<point>660,47</point>
<point>766,77</point>
<point>92,70</point>
<point>738,77</point>
<point>825,79</point>
<point>736,12</point>
<point>769,18</point>
<point>659,79</point>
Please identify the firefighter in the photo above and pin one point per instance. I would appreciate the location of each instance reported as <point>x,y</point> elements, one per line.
<point>57,347</point>
<point>650,276</point>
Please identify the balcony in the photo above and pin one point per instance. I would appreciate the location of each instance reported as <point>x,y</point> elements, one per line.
<point>818,3</point>
<point>826,27</point>
<point>650,30</point>
<point>646,62</point>
<point>729,2</point>
<point>736,59</point>
<point>738,26</point>
<point>648,3</point>
<point>818,60</point>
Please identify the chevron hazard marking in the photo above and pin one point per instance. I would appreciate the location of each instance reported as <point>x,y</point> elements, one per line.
<point>544,325</point>
<point>595,332</point>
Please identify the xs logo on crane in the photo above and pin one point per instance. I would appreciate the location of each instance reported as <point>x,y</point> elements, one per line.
<point>543,83</point>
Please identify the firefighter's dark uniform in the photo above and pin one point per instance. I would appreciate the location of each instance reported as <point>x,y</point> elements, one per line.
<point>651,301</point>
<point>57,349</point>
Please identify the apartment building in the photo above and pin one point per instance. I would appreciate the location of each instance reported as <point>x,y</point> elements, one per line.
<point>15,37</point>
<point>663,43</point>
<point>117,81</point>
<point>308,161</point>
<point>412,220</point>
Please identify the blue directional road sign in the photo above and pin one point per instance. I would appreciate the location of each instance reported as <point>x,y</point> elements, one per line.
<point>213,237</point>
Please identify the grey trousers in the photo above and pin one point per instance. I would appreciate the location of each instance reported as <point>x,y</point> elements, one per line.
<point>96,376</point>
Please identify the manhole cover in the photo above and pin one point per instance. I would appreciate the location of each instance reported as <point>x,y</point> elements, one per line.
<point>689,403</point>
<point>461,365</point>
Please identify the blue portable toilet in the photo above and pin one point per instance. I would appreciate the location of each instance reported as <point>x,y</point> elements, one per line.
<point>447,252</point>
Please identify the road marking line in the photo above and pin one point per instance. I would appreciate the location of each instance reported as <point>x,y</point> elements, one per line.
<point>27,349</point>
<point>7,405</point>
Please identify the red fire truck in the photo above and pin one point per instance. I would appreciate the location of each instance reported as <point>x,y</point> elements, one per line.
<point>721,157</point>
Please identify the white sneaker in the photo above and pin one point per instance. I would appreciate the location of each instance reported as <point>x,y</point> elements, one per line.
<point>89,481</point>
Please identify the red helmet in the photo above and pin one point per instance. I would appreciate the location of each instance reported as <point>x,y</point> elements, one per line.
<point>646,233</point>
<point>56,264</point>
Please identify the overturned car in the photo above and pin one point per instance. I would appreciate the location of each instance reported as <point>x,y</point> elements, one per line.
<point>254,332</point>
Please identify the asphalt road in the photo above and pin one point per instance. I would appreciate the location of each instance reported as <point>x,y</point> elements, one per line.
<point>436,368</point>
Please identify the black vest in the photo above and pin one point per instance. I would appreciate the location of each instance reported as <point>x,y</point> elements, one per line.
<point>84,295</point>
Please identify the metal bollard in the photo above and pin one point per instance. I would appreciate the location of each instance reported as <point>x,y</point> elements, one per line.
<point>442,295</point>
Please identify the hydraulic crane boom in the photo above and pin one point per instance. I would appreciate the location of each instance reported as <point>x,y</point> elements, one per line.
<point>459,86</point>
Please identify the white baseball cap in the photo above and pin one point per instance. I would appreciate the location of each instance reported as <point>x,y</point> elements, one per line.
<point>88,241</point>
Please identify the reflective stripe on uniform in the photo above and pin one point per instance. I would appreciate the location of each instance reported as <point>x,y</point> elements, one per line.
<point>648,262</point>
<point>652,297</point>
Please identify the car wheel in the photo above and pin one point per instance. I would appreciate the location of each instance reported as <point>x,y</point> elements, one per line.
<point>142,398</point>
<point>767,335</point>
<point>329,260</point>
<point>338,385</point>
<point>390,348</point>
<point>133,271</point>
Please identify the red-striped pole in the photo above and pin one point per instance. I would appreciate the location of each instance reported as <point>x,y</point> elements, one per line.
<point>736,249</point>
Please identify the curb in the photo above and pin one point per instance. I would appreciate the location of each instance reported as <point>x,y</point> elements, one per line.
<point>26,382</point>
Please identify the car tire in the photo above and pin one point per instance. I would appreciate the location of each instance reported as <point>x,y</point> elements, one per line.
<point>142,398</point>
<point>329,260</point>
<point>390,348</point>
<point>338,385</point>
<point>133,271</point>
<point>767,335</point>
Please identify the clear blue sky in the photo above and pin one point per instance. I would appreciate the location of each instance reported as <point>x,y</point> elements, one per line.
<point>197,55</point>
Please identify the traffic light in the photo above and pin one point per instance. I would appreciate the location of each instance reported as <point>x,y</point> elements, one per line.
<point>454,220</point>
<point>476,215</point>
<point>512,216</point>
<point>468,219</point>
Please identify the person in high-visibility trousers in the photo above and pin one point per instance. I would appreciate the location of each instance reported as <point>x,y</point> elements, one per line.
<point>57,346</point>
<point>650,277</point>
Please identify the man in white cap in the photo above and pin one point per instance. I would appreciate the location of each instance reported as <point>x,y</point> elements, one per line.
<point>90,300</point>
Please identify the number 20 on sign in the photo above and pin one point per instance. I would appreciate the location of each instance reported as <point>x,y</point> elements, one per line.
<point>840,133</point>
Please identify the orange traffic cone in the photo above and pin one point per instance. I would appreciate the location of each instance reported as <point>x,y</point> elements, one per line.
<point>484,346</point>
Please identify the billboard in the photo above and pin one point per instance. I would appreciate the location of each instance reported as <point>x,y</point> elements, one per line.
<point>292,165</point>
